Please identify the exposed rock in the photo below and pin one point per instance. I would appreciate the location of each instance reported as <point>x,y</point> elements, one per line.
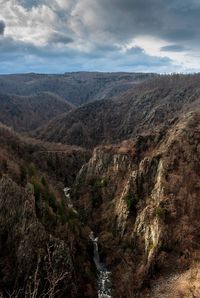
<point>144,206</point>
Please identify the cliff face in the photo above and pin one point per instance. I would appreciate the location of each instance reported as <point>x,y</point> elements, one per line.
<point>141,198</point>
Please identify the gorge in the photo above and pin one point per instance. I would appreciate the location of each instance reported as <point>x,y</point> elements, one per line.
<point>102,200</point>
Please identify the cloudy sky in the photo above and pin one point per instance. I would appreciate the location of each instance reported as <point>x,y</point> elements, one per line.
<point>55,36</point>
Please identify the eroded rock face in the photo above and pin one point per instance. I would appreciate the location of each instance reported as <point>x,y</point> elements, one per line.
<point>144,206</point>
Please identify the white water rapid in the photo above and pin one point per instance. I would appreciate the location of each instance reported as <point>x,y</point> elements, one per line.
<point>104,281</point>
<point>68,197</point>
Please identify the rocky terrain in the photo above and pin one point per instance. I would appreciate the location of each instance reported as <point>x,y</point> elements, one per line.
<point>142,199</point>
<point>131,168</point>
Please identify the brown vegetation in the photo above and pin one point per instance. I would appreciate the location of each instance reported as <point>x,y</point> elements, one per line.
<point>25,113</point>
<point>153,105</point>
<point>138,191</point>
<point>77,88</point>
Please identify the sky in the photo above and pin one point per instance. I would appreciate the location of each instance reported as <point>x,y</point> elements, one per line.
<point>57,36</point>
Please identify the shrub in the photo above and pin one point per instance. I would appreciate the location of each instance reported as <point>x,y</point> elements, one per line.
<point>159,212</point>
<point>62,212</point>
<point>50,219</point>
<point>37,189</point>
<point>23,173</point>
<point>96,198</point>
<point>31,170</point>
<point>51,199</point>
<point>43,181</point>
<point>83,216</point>
<point>99,183</point>
<point>128,199</point>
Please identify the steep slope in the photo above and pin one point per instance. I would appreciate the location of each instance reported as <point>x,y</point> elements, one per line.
<point>25,113</point>
<point>60,162</point>
<point>153,104</point>
<point>43,244</point>
<point>78,87</point>
<point>141,198</point>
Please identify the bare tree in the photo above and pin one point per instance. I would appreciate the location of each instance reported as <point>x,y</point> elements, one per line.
<point>34,287</point>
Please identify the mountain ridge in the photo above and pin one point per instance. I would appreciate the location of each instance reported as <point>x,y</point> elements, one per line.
<point>25,113</point>
<point>151,104</point>
<point>77,88</point>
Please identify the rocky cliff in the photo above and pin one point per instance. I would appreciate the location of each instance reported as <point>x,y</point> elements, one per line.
<point>142,199</point>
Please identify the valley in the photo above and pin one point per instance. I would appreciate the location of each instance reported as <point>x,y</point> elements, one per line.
<point>100,185</point>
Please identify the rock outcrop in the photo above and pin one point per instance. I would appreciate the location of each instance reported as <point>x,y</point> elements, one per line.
<point>142,199</point>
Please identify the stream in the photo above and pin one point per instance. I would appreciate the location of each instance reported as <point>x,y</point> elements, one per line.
<point>104,276</point>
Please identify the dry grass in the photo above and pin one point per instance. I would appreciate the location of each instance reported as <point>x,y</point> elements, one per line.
<point>183,285</point>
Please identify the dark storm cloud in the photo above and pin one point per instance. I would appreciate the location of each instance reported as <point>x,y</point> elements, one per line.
<point>171,19</point>
<point>10,47</point>
<point>173,48</point>
<point>2,27</point>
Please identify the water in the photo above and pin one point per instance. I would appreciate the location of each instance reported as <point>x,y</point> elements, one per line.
<point>67,195</point>
<point>104,276</point>
<point>68,198</point>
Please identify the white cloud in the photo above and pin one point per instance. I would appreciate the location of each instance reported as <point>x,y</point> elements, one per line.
<point>108,28</point>
<point>34,25</point>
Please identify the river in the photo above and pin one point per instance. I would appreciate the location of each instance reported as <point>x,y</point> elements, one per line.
<point>104,276</point>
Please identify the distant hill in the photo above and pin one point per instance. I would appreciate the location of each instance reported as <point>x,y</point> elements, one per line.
<point>26,113</point>
<point>77,88</point>
<point>151,106</point>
